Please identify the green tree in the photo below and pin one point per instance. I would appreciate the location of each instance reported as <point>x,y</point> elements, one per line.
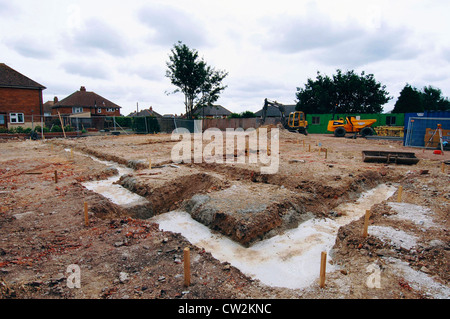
<point>248,114</point>
<point>412,100</point>
<point>200,83</point>
<point>409,101</point>
<point>433,100</point>
<point>342,93</point>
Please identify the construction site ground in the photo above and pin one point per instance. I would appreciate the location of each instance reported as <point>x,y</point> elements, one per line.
<point>122,252</point>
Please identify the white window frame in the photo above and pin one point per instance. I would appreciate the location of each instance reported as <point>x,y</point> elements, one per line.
<point>77,109</point>
<point>14,118</point>
<point>99,110</point>
<point>110,109</point>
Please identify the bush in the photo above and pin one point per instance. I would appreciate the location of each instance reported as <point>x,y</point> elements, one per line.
<point>39,129</point>
<point>248,114</point>
<point>27,130</point>
<point>19,129</point>
<point>124,121</point>
<point>56,128</point>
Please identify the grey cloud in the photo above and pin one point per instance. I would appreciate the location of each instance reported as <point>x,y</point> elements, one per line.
<point>170,25</point>
<point>8,9</point>
<point>330,42</point>
<point>293,34</point>
<point>97,35</point>
<point>92,70</point>
<point>385,43</point>
<point>30,48</point>
<point>150,73</point>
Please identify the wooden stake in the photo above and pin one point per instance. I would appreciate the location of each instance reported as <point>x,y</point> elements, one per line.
<point>443,167</point>
<point>366,223</point>
<point>56,177</point>
<point>400,191</point>
<point>62,124</point>
<point>309,147</point>
<point>86,216</point>
<point>323,265</point>
<point>150,163</point>
<point>187,267</point>
<point>326,153</point>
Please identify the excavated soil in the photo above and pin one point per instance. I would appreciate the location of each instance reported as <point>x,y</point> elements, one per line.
<point>122,254</point>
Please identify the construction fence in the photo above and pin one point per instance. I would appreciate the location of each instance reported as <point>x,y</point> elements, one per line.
<point>427,132</point>
<point>79,125</point>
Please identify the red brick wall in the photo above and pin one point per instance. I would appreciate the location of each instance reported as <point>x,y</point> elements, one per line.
<point>20,101</point>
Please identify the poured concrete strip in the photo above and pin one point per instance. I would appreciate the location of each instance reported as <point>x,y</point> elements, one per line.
<point>290,260</point>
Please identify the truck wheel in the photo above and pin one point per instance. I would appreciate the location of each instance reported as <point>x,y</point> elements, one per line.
<point>339,132</point>
<point>366,131</point>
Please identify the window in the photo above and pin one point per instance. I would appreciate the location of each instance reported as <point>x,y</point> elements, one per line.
<point>110,109</point>
<point>390,120</point>
<point>77,109</point>
<point>99,110</point>
<point>315,120</point>
<point>16,117</point>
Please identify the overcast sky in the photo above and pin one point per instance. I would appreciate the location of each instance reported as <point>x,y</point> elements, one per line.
<point>119,49</point>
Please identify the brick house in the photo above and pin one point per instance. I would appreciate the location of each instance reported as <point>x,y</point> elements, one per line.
<point>85,104</point>
<point>20,99</point>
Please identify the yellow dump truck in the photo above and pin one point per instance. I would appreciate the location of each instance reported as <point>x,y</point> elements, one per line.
<point>351,125</point>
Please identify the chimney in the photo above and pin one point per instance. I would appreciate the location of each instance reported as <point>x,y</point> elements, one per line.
<point>82,89</point>
<point>55,100</point>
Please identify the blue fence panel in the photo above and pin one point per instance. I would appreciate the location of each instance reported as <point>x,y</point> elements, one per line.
<point>416,125</point>
<point>422,131</point>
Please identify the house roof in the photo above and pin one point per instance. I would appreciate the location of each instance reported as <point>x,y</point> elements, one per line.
<point>146,112</point>
<point>275,112</point>
<point>211,110</point>
<point>85,99</point>
<point>13,79</point>
<point>48,106</point>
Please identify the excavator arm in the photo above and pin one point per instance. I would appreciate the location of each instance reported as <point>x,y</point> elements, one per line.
<point>279,106</point>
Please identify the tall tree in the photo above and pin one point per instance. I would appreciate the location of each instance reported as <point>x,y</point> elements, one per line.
<point>409,101</point>
<point>412,100</point>
<point>342,93</point>
<point>201,84</point>
<point>433,100</point>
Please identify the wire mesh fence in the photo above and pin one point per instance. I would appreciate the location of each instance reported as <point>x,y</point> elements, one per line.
<point>25,124</point>
<point>427,132</point>
<point>81,124</point>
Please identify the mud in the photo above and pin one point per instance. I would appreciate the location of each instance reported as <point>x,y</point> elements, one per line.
<point>123,254</point>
